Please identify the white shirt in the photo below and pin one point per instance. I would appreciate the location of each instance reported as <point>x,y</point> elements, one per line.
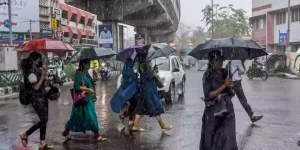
<point>236,65</point>
<point>106,35</point>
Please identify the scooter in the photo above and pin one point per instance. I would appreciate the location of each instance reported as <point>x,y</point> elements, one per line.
<point>53,76</point>
<point>260,71</point>
<point>104,72</point>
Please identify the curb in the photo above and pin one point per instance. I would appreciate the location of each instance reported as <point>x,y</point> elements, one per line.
<point>13,90</point>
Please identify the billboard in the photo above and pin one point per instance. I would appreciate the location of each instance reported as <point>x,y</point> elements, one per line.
<point>282,37</point>
<point>106,36</point>
<point>22,11</point>
<point>4,36</point>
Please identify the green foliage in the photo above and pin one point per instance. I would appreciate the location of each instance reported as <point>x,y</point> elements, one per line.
<point>228,21</point>
<point>70,71</point>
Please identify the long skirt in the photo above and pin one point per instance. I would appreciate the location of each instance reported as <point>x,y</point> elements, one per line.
<point>218,132</point>
<point>83,118</point>
<point>148,101</point>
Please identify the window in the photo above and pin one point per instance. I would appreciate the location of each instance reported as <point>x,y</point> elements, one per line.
<point>73,18</point>
<point>178,62</point>
<point>82,20</point>
<point>260,23</point>
<point>162,63</point>
<point>64,14</point>
<point>173,64</point>
<point>66,34</point>
<point>281,17</point>
<point>90,22</point>
<point>295,14</point>
<point>74,36</point>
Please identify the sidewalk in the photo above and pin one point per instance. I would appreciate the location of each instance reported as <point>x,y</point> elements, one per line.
<point>14,90</point>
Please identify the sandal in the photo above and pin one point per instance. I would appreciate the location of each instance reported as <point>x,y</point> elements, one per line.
<point>167,128</point>
<point>100,139</point>
<point>137,129</point>
<point>67,136</point>
<point>46,147</point>
<point>24,140</point>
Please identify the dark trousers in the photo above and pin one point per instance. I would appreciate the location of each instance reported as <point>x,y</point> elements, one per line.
<point>130,112</point>
<point>40,105</point>
<point>237,87</point>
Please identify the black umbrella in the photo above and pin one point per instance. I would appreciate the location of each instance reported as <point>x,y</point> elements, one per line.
<point>231,49</point>
<point>150,51</point>
<point>92,54</point>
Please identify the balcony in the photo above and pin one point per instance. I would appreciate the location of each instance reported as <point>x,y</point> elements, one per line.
<point>89,42</point>
<point>67,40</point>
<point>75,42</point>
<point>64,21</point>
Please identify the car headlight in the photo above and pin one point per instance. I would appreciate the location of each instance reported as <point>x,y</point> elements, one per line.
<point>102,64</point>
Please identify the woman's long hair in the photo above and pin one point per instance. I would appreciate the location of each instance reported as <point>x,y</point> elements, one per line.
<point>81,64</point>
<point>26,64</point>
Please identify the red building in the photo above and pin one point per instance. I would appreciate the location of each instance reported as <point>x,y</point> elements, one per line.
<point>78,26</point>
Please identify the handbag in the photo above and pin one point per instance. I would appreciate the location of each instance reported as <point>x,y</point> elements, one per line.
<point>79,98</point>
<point>159,83</point>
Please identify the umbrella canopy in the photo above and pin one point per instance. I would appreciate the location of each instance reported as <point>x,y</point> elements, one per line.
<point>231,49</point>
<point>150,51</point>
<point>92,54</point>
<point>46,45</point>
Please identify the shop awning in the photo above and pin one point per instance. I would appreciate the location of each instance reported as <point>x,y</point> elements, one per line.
<point>73,30</point>
<point>72,9</point>
<point>89,33</point>
<point>80,31</point>
<point>64,28</point>
<point>63,6</point>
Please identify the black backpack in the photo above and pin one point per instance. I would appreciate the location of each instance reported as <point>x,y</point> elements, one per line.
<point>24,94</point>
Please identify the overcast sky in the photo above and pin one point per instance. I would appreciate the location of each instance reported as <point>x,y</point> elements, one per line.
<point>191,9</point>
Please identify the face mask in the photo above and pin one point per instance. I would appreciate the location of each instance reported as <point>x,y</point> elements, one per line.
<point>40,64</point>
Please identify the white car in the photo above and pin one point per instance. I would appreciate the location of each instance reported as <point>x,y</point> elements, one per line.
<point>172,74</point>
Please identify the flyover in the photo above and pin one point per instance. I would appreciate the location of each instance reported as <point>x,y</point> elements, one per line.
<point>157,19</point>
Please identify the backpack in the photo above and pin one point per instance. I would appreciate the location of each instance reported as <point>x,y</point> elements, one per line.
<point>24,94</point>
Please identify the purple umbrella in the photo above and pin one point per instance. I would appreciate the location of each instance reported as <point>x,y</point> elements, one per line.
<point>151,51</point>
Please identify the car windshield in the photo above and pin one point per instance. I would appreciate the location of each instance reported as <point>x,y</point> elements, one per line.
<point>162,63</point>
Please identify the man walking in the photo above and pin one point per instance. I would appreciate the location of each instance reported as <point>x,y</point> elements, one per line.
<point>237,69</point>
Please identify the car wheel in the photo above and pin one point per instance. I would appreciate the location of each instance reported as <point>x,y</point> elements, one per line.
<point>182,88</point>
<point>171,94</point>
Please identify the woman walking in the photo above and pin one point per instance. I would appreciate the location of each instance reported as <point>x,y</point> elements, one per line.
<point>218,121</point>
<point>84,118</point>
<point>128,77</point>
<point>34,81</point>
<point>148,102</point>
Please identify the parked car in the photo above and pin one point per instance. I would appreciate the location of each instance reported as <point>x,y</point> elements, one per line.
<point>173,76</point>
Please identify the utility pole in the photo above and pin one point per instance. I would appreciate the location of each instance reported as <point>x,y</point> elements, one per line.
<point>212,18</point>
<point>30,29</point>
<point>10,23</point>
<point>289,24</point>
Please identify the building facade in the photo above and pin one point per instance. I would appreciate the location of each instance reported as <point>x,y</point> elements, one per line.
<point>270,24</point>
<point>78,26</point>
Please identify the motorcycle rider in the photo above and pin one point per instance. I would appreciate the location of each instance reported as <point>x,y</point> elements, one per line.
<point>58,65</point>
<point>256,64</point>
<point>236,70</point>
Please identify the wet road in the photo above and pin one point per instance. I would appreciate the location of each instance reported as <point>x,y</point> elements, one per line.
<point>277,99</point>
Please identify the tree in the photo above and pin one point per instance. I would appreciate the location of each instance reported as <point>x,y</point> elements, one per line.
<point>228,21</point>
<point>198,36</point>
